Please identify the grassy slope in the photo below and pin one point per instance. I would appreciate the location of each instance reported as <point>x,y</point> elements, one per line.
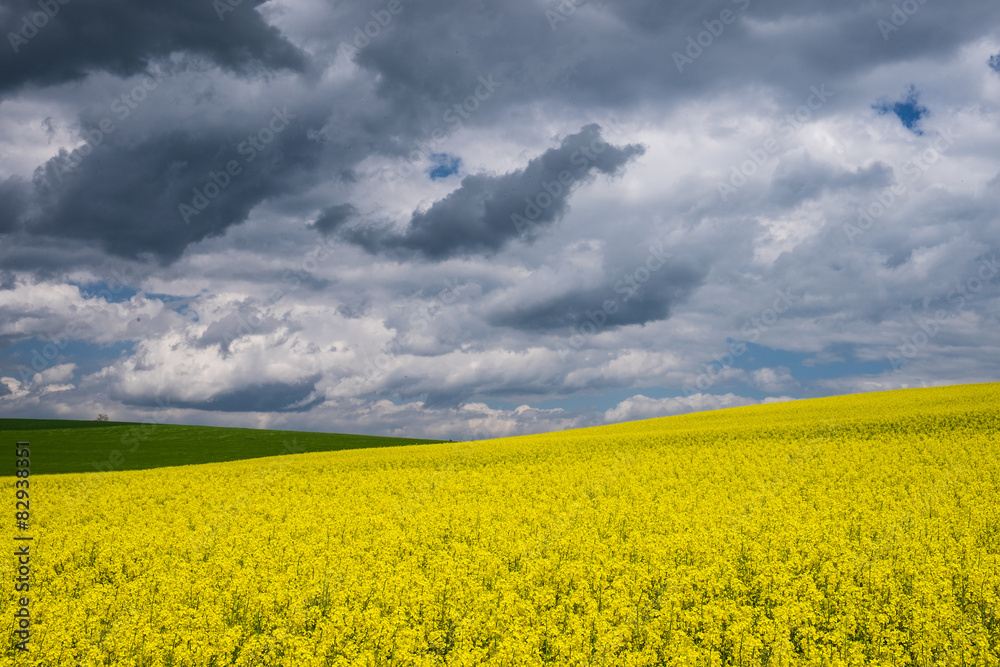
<point>63,446</point>
<point>52,424</point>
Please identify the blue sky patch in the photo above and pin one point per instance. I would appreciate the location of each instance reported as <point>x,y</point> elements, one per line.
<point>122,293</point>
<point>836,361</point>
<point>909,111</point>
<point>444,166</point>
<point>26,357</point>
<point>116,293</point>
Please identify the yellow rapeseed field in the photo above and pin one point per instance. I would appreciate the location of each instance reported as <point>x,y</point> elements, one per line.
<point>858,530</point>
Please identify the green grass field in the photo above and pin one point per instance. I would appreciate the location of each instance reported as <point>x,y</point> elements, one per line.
<point>64,446</point>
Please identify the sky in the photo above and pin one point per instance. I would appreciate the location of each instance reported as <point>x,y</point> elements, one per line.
<point>462,220</point>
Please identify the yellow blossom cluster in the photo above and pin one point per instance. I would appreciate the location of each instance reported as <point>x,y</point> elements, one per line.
<point>858,530</point>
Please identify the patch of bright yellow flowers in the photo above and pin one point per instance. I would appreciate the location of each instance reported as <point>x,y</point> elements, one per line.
<point>859,530</point>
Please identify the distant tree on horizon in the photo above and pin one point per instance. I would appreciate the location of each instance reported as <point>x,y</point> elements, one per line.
<point>102,417</point>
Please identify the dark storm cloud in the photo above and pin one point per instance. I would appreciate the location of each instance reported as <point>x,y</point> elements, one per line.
<point>798,178</point>
<point>635,295</point>
<point>263,397</point>
<point>13,197</point>
<point>155,196</point>
<point>47,258</point>
<point>487,212</point>
<point>615,55</point>
<point>819,42</point>
<point>333,217</point>
<point>121,198</point>
<point>76,38</point>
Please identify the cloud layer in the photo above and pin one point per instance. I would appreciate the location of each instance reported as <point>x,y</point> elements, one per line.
<point>469,219</point>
